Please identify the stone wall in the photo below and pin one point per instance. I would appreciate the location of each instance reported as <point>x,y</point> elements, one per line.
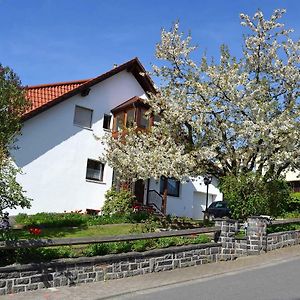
<point>21,278</point>
<point>283,239</point>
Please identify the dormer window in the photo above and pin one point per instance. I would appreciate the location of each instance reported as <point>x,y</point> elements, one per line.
<point>131,113</point>
<point>130,118</point>
<point>119,122</point>
<point>143,120</point>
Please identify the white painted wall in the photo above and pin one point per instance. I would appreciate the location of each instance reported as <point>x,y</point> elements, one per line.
<point>192,197</point>
<point>53,152</point>
<point>292,176</point>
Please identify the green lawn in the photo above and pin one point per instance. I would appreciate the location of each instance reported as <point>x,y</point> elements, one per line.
<point>73,232</point>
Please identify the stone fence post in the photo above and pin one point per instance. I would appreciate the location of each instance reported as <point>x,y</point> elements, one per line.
<point>256,235</point>
<point>227,238</point>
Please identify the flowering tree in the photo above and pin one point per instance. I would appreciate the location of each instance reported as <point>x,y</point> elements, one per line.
<point>226,118</point>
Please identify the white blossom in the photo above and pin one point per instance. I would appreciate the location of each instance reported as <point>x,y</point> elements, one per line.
<point>234,116</point>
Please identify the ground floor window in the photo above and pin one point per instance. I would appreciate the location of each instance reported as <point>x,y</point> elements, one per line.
<point>94,170</point>
<point>173,186</point>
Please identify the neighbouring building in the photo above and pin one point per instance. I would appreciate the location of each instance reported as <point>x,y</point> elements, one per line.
<point>59,153</point>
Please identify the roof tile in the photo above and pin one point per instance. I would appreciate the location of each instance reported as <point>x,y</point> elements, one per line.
<point>40,95</point>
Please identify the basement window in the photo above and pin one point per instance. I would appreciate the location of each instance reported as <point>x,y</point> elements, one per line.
<point>94,170</point>
<point>83,117</point>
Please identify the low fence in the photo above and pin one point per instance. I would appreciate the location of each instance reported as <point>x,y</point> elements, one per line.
<point>36,243</point>
<point>73,271</point>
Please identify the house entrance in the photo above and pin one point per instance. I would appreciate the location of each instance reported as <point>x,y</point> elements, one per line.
<point>139,190</point>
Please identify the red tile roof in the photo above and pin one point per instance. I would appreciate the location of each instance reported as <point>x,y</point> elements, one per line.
<point>40,95</point>
<point>45,96</point>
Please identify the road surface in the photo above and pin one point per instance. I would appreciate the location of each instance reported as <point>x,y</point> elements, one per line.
<point>280,281</point>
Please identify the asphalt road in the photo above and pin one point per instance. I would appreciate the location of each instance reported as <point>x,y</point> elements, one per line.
<point>274,275</point>
<point>280,281</point>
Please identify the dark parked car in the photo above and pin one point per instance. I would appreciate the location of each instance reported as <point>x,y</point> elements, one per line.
<point>219,209</point>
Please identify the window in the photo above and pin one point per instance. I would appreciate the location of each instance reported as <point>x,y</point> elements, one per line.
<point>144,121</point>
<point>173,186</point>
<point>119,122</point>
<point>94,170</point>
<point>106,121</point>
<point>83,116</point>
<point>130,118</point>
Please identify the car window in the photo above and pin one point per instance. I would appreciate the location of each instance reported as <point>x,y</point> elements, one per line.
<point>220,205</point>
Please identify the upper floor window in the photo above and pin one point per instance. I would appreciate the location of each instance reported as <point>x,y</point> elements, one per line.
<point>106,121</point>
<point>119,122</point>
<point>144,121</point>
<point>173,186</point>
<point>94,170</point>
<point>83,117</point>
<point>130,118</point>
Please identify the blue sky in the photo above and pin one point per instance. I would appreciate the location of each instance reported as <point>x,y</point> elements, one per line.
<point>59,40</point>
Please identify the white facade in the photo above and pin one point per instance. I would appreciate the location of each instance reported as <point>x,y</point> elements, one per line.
<point>192,197</point>
<point>53,154</point>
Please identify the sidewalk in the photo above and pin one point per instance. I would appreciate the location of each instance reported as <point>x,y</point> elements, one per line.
<point>113,288</point>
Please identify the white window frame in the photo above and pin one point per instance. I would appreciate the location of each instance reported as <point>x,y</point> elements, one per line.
<point>101,171</point>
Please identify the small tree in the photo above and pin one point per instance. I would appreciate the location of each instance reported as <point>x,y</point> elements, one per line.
<point>118,202</point>
<point>11,193</point>
<point>12,105</point>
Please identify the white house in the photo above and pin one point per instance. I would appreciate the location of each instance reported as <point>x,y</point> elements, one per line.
<point>59,154</point>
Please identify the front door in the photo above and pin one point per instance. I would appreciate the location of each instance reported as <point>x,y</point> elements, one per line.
<point>139,191</point>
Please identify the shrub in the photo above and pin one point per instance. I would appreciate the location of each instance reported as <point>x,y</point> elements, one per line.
<point>52,220</point>
<point>98,249</point>
<point>168,242</point>
<point>249,194</point>
<point>122,247</point>
<point>142,245</point>
<point>118,202</point>
<point>29,255</point>
<point>293,204</point>
<point>201,239</point>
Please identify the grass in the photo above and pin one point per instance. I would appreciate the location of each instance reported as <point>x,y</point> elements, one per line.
<point>74,232</point>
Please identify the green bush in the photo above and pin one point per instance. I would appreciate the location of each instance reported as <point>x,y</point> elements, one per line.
<point>168,242</point>
<point>283,227</point>
<point>56,220</point>
<point>98,249</point>
<point>249,194</point>
<point>118,202</point>
<point>142,245</point>
<point>293,204</point>
<point>51,220</point>
<point>35,255</point>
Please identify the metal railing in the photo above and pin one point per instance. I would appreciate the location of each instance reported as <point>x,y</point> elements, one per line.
<point>155,199</point>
